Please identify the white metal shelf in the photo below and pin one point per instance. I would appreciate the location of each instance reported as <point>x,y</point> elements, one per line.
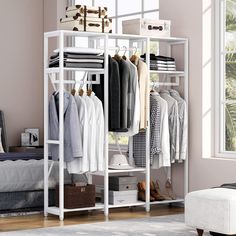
<point>98,206</point>
<point>167,72</point>
<point>62,34</point>
<point>110,171</point>
<point>52,70</point>
<point>167,201</point>
<point>138,203</point>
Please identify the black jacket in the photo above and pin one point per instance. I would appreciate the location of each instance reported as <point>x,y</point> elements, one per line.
<point>114,94</point>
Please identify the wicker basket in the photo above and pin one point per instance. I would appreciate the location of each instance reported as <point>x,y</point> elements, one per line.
<point>77,196</point>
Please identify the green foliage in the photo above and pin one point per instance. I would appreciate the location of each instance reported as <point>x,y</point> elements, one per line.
<point>230,83</point>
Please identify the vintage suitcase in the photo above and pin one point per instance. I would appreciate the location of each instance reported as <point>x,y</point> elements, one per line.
<point>122,183</point>
<point>86,11</point>
<point>77,196</point>
<point>147,27</point>
<point>78,23</point>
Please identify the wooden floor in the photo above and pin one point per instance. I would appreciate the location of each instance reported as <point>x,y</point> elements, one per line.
<point>38,221</point>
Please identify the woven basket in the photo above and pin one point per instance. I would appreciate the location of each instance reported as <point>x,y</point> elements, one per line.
<point>77,196</point>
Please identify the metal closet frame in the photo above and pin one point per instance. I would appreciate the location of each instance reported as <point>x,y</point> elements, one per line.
<point>50,76</point>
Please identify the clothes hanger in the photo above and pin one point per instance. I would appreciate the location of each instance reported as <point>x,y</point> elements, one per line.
<point>134,57</point>
<point>124,57</point>
<point>81,91</point>
<point>89,91</point>
<point>117,57</point>
<point>73,91</point>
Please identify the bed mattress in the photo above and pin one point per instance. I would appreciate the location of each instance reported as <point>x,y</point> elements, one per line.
<point>22,175</point>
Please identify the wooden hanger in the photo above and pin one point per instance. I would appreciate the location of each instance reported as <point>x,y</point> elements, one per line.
<point>81,92</point>
<point>89,92</point>
<point>117,57</point>
<point>134,57</point>
<point>73,91</point>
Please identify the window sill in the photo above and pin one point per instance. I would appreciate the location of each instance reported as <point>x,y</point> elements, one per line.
<point>222,157</point>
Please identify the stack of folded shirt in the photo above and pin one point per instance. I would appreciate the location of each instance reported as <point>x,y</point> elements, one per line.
<point>161,63</point>
<point>79,58</point>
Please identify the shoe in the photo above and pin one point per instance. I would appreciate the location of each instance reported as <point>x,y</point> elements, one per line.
<point>154,193</point>
<point>142,192</point>
<point>159,190</point>
<point>169,190</point>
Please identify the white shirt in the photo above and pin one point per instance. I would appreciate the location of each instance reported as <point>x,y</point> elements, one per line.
<point>163,159</point>
<point>91,133</point>
<point>81,165</point>
<point>99,145</point>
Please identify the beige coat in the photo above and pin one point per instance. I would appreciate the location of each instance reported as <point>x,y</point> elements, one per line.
<point>144,87</point>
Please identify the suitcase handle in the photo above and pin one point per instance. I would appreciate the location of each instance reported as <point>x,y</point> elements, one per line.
<point>93,11</point>
<point>150,27</point>
<point>93,25</point>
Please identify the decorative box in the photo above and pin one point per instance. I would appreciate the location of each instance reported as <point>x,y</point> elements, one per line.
<point>86,11</point>
<point>147,27</point>
<point>122,183</point>
<point>78,23</point>
<point>77,196</point>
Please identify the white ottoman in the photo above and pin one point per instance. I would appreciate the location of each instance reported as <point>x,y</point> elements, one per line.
<point>212,210</point>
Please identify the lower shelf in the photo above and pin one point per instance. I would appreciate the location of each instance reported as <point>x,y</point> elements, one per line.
<point>139,203</point>
<point>167,201</point>
<point>55,210</point>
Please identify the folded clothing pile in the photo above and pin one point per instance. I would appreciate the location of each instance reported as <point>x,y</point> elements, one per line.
<point>79,58</point>
<point>160,63</point>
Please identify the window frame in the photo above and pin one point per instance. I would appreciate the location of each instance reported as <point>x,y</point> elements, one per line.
<point>219,72</point>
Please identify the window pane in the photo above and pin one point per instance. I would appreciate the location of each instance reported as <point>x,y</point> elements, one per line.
<point>230,36</point>
<point>152,15</point>
<point>230,127</point>
<point>151,4</point>
<point>230,79</point>
<point>130,6</point>
<point>110,4</point>
<point>126,18</point>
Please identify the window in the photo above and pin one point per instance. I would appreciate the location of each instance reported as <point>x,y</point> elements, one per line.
<point>119,10</point>
<point>226,74</point>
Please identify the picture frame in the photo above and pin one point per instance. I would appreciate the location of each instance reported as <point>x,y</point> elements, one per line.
<point>33,136</point>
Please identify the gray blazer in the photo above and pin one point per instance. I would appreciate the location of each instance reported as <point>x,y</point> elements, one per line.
<point>72,135</point>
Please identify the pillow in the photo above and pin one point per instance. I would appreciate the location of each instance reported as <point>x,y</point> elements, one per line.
<point>1,147</point>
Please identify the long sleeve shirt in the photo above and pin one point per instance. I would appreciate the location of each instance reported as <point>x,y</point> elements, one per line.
<point>183,124</point>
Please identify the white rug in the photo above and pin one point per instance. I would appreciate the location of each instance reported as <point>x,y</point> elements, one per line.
<point>162,226</point>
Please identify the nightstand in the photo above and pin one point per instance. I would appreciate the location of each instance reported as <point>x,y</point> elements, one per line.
<point>34,149</point>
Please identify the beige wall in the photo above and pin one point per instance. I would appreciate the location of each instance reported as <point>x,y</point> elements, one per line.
<point>192,19</point>
<point>21,84</point>
<point>22,24</point>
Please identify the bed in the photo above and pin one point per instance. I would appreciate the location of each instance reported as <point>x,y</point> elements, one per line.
<point>21,177</point>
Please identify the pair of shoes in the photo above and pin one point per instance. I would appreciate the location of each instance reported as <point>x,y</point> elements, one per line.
<point>159,190</point>
<point>142,192</point>
<point>155,192</point>
<point>169,190</point>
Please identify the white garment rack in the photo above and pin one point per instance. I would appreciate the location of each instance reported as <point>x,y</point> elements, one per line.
<point>50,75</point>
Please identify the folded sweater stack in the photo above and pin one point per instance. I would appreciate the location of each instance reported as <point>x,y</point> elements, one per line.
<point>160,63</point>
<point>79,58</point>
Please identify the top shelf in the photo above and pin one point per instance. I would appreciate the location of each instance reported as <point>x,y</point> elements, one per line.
<point>114,36</point>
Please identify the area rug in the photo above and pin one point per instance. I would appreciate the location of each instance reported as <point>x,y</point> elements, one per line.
<point>151,226</point>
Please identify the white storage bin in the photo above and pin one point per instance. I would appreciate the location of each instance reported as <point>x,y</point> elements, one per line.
<point>123,197</point>
<point>147,27</point>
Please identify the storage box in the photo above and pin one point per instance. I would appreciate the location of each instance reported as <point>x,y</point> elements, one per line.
<point>121,197</point>
<point>77,196</point>
<point>78,23</point>
<point>147,27</point>
<point>86,11</point>
<point>122,183</point>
